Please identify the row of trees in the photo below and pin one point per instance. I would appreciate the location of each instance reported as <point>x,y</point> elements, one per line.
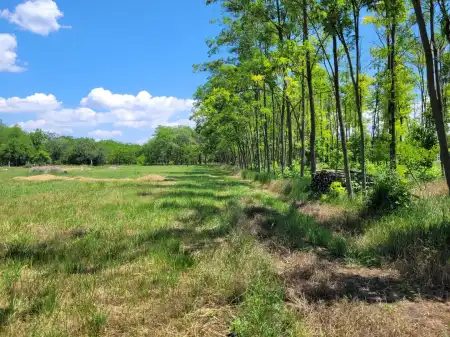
<point>170,145</point>
<point>292,87</point>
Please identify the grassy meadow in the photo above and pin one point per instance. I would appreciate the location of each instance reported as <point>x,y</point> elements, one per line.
<point>201,253</point>
<point>133,258</point>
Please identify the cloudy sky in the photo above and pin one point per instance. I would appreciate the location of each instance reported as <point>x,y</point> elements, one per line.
<point>101,68</point>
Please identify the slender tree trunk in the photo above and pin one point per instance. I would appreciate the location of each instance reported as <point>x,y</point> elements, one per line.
<point>289,127</point>
<point>357,90</point>
<point>341,122</point>
<point>257,145</point>
<point>432,78</point>
<point>302,154</point>
<point>312,138</point>
<point>266,131</point>
<point>283,147</point>
<point>274,118</point>
<point>392,103</point>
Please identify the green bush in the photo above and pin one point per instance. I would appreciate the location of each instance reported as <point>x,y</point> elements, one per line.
<point>389,193</point>
<point>336,190</point>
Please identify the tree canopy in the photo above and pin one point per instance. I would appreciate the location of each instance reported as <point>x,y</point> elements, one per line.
<point>292,93</point>
<point>169,145</point>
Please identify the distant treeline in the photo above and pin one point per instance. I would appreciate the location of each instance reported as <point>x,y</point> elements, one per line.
<point>169,145</point>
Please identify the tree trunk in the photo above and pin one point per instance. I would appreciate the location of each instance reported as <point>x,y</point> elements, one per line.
<point>266,132</point>
<point>289,127</point>
<point>312,138</point>
<point>391,104</point>
<point>283,147</point>
<point>258,152</point>
<point>341,122</point>
<point>432,77</point>
<point>274,118</point>
<point>302,154</point>
<point>357,90</point>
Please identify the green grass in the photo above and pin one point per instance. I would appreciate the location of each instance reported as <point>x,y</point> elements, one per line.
<point>184,257</point>
<point>132,257</point>
<point>415,237</point>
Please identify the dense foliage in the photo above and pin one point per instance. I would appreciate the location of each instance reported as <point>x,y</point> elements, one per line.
<point>173,145</point>
<point>170,145</point>
<point>292,87</point>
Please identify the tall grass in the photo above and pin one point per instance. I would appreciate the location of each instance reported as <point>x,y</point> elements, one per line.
<point>417,238</point>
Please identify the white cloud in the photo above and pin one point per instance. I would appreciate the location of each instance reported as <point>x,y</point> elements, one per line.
<point>142,107</point>
<point>42,124</point>
<point>37,16</point>
<point>142,141</point>
<point>133,124</point>
<point>100,107</point>
<point>31,104</point>
<point>8,55</point>
<point>33,125</point>
<point>105,134</point>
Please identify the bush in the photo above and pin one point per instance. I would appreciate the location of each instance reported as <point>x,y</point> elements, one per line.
<point>336,190</point>
<point>389,193</point>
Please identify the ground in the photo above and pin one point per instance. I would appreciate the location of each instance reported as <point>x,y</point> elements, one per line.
<point>185,251</point>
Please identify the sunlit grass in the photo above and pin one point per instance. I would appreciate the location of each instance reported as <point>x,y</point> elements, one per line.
<point>126,258</point>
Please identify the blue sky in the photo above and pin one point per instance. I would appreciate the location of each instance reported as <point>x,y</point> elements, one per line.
<point>104,69</point>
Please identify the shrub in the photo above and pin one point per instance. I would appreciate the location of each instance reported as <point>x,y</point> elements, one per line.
<point>336,190</point>
<point>389,193</point>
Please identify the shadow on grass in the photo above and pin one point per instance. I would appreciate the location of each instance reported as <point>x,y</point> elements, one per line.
<point>96,251</point>
<point>330,286</point>
<point>197,194</point>
<point>82,251</point>
<point>421,253</point>
<point>293,230</point>
<point>420,276</point>
<point>5,313</point>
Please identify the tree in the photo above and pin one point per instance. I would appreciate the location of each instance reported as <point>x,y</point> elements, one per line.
<point>16,147</point>
<point>434,95</point>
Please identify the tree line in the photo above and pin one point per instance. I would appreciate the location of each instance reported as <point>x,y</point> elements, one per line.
<point>169,145</point>
<point>291,91</point>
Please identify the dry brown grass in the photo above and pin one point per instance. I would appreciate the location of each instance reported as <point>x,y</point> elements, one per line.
<point>432,189</point>
<point>274,186</point>
<point>322,212</point>
<point>339,300</point>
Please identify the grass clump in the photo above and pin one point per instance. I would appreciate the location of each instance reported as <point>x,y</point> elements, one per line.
<point>263,313</point>
<point>416,238</point>
<point>389,193</point>
<point>262,177</point>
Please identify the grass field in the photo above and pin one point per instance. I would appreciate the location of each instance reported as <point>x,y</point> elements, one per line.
<point>202,253</point>
<point>132,258</point>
